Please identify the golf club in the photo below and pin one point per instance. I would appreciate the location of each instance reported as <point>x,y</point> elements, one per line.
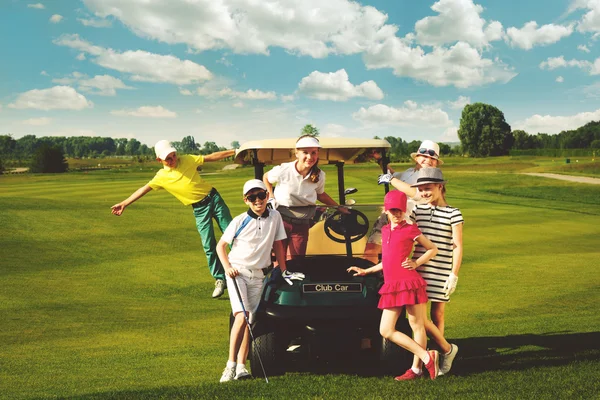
<point>237,289</point>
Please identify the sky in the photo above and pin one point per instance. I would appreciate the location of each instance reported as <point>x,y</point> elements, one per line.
<point>239,70</point>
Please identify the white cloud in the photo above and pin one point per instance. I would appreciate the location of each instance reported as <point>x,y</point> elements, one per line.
<point>530,35</point>
<point>333,130</point>
<point>56,18</point>
<point>450,135</point>
<point>80,56</point>
<point>44,73</point>
<point>312,27</point>
<point>590,22</point>
<point>457,20</point>
<point>317,29</point>
<point>103,85</point>
<point>461,65</point>
<point>95,23</point>
<point>460,103</point>
<point>592,91</point>
<point>593,68</point>
<point>411,114</point>
<point>238,104</point>
<point>336,86</point>
<point>560,79</point>
<point>37,121</point>
<point>55,98</point>
<point>556,124</point>
<point>185,92</point>
<point>286,98</point>
<point>146,112</point>
<point>39,6</point>
<point>583,48</point>
<point>215,91</point>
<point>141,65</point>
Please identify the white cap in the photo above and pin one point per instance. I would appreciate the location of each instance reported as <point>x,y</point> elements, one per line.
<point>253,184</point>
<point>307,141</point>
<point>163,148</point>
<point>428,145</point>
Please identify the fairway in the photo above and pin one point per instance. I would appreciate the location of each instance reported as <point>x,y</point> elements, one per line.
<point>96,306</point>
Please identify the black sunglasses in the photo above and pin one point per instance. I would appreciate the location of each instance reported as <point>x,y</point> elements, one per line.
<point>252,197</point>
<point>430,152</point>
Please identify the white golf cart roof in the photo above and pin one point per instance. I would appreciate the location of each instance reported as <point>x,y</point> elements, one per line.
<point>333,150</point>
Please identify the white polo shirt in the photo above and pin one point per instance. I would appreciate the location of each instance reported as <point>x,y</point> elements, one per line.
<point>294,190</point>
<point>251,248</point>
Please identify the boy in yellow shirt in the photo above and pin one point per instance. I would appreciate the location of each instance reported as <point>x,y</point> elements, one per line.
<point>180,177</point>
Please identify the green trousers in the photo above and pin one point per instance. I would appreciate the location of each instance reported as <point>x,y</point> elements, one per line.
<point>217,209</point>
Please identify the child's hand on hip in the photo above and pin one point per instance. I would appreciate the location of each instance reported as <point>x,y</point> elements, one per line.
<point>409,264</point>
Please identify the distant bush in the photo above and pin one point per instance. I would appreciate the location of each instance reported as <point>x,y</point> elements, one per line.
<point>47,159</point>
<point>1,166</point>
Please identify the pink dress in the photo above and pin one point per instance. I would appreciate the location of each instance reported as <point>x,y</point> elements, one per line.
<point>402,286</point>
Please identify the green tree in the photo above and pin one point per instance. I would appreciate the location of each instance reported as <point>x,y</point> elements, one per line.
<point>1,166</point>
<point>309,130</point>
<point>48,159</point>
<point>209,147</point>
<point>188,145</point>
<point>595,144</point>
<point>483,131</point>
<point>7,145</point>
<point>235,144</point>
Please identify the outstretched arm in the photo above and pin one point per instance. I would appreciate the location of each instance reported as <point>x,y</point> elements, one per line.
<point>219,155</point>
<point>362,272</point>
<point>404,187</point>
<point>118,208</point>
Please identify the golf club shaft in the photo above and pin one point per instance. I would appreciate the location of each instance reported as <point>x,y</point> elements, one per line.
<point>237,290</point>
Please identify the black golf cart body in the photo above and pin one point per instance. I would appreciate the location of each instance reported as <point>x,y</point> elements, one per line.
<point>330,311</point>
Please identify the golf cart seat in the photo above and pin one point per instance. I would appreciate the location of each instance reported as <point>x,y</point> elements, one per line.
<point>320,244</point>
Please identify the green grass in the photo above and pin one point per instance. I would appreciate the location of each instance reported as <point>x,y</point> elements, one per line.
<point>95,306</point>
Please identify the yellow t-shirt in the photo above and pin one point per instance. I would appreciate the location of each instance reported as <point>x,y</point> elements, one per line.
<point>183,181</point>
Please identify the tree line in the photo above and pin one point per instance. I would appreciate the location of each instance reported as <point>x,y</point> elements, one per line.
<point>484,132</point>
<point>92,147</point>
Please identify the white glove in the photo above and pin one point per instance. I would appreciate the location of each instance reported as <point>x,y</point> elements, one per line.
<point>292,276</point>
<point>450,285</point>
<point>272,203</point>
<point>384,178</point>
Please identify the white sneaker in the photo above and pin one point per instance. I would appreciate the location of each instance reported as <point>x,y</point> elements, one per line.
<point>219,288</point>
<point>447,359</point>
<point>242,373</point>
<point>228,374</point>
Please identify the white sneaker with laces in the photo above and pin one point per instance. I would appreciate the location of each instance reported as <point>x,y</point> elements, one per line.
<point>228,374</point>
<point>219,288</point>
<point>447,360</point>
<point>242,373</point>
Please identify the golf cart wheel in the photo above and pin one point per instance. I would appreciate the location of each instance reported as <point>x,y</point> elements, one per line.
<point>266,347</point>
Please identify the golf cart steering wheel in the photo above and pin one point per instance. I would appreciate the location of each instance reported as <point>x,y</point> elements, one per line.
<point>354,225</point>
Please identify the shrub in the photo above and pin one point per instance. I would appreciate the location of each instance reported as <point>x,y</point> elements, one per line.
<point>48,159</point>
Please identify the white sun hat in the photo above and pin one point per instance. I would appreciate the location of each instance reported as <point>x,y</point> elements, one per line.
<point>428,148</point>
<point>163,148</point>
<point>307,141</point>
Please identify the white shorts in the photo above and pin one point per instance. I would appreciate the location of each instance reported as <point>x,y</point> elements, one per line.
<point>251,284</point>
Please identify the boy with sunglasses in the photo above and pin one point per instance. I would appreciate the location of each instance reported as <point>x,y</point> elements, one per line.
<point>180,177</point>
<point>252,235</point>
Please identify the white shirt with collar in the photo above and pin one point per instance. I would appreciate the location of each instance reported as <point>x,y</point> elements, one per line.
<point>251,249</point>
<point>294,190</point>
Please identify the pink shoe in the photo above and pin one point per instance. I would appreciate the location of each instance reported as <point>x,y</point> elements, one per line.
<point>409,375</point>
<point>433,366</point>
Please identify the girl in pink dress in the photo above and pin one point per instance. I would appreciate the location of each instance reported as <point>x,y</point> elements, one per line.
<point>403,286</point>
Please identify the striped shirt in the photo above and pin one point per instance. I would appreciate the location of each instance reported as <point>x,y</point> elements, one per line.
<point>436,224</point>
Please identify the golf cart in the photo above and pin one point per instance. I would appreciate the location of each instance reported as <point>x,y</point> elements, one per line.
<point>329,312</point>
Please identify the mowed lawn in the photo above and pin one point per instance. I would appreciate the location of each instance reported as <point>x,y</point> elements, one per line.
<point>98,306</point>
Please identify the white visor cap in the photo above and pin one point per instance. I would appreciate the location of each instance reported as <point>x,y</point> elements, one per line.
<point>307,141</point>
